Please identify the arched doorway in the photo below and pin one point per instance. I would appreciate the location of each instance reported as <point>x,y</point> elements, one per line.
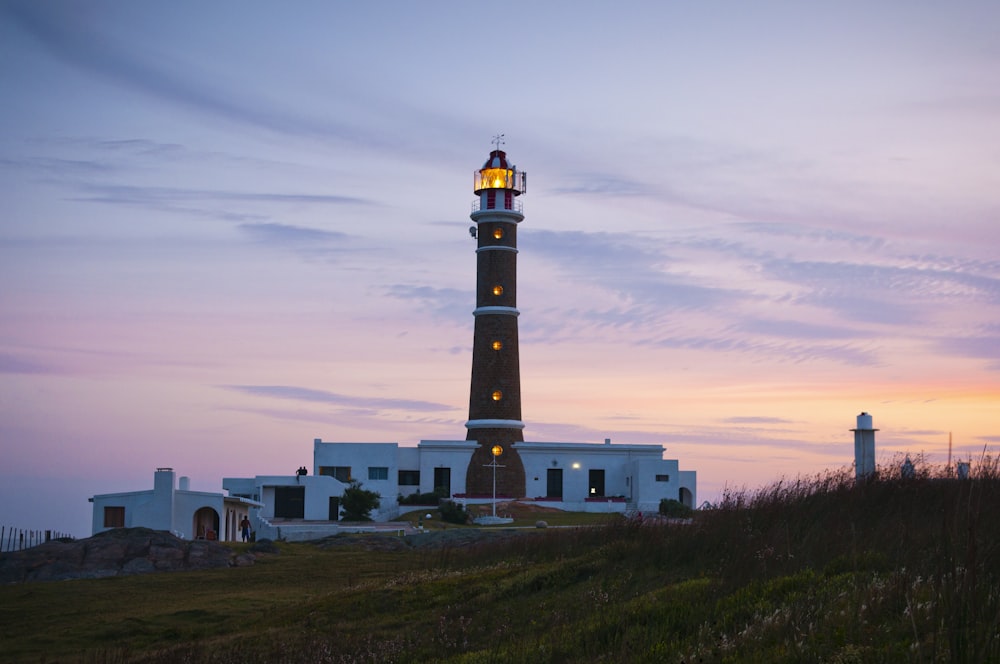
<point>685,497</point>
<point>206,524</point>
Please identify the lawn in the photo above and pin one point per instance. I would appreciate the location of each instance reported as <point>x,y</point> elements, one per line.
<point>816,570</point>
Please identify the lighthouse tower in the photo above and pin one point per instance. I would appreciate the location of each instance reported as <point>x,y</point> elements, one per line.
<point>495,393</point>
<point>864,448</point>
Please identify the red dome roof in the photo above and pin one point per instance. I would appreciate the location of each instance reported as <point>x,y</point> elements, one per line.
<point>498,159</point>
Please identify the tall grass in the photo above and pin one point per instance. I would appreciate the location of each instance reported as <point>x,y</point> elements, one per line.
<point>818,569</point>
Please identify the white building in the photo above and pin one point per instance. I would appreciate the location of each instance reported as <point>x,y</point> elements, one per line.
<point>579,477</point>
<point>167,506</point>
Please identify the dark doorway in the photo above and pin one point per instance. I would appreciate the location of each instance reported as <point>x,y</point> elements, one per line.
<point>684,496</point>
<point>442,482</point>
<point>289,502</point>
<point>206,523</point>
<point>596,489</point>
<point>334,508</point>
<point>553,483</point>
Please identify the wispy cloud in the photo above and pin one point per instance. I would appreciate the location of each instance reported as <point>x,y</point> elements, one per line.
<point>449,303</point>
<point>12,364</point>
<point>757,420</point>
<point>286,234</point>
<point>630,265</point>
<point>149,195</point>
<point>58,30</point>
<point>334,399</point>
<point>602,184</point>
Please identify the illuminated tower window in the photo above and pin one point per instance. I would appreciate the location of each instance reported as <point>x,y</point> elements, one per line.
<point>497,345</point>
<point>497,395</point>
<point>498,290</point>
<point>497,232</point>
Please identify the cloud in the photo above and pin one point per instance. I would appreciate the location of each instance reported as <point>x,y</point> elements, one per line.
<point>757,420</point>
<point>776,352</point>
<point>984,347</point>
<point>212,203</point>
<point>11,364</point>
<point>56,166</point>
<point>59,31</point>
<point>629,265</point>
<point>449,303</point>
<point>275,233</point>
<point>148,195</point>
<point>602,184</point>
<point>334,399</point>
<point>792,329</point>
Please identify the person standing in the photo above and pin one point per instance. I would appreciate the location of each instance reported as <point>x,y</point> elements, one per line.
<point>245,528</point>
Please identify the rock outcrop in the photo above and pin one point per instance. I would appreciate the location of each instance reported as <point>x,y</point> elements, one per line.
<point>118,552</point>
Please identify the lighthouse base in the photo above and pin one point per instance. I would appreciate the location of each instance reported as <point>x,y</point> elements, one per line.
<point>510,469</point>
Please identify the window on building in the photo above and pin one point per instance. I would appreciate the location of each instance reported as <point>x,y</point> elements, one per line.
<point>596,488</point>
<point>497,232</point>
<point>663,478</point>
<point>114,517</point>
<point>409,478</point>
<point>497,345</point>
<point>378,473</point>
<point>497,395</point>
<point>340,473</point>
<point>498,290</point>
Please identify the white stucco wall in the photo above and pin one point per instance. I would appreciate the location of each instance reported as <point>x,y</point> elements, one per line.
<point>361,458</point>
<point>408,458</point>
<point>162,508</point>
<point>453,454</point>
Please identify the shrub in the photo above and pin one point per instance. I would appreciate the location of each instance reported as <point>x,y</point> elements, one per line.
<point>357,504</point>
<point>420,499</point>
<point>452,512</point>
<point>675,509</point>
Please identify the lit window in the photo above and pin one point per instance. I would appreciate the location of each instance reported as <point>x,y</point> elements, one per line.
<point>498,290</point>
<point>498,233</point>
<point>339,473</point>
<point>497,395</point>
<point>495,178</point>
<point>497,345</point>
<point>378,473</point>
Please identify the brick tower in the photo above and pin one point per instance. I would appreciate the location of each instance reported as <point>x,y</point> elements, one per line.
<point>495,394</point>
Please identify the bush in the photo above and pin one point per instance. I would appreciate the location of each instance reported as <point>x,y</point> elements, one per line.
<point>420,499</point>
<point>357,504</point>
<point>452,512</point>
<point>675,509</point>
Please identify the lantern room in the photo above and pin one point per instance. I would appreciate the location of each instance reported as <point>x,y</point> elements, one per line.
<point>497,173</point>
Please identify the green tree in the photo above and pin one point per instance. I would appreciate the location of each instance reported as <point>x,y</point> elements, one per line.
<point>357,504</point>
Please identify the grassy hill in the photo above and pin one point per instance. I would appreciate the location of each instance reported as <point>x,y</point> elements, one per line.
<point>814,570</point>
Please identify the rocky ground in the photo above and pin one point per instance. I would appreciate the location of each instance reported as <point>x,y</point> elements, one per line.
<point>118,552</point>
<point>126,551</point>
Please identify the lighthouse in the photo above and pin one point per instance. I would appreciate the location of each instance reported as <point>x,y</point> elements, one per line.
<point>495,392</point>
<point>864,448</point>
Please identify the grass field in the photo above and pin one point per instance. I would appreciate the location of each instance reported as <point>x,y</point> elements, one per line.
<point>815,570</point>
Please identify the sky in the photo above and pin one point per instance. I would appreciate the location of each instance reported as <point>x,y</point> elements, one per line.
<point>229,228</point>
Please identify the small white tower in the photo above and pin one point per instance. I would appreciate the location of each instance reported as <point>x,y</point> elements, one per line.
<point>864,448</point>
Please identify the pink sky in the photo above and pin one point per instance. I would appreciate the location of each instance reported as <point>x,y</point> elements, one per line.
<point>229,230</point>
